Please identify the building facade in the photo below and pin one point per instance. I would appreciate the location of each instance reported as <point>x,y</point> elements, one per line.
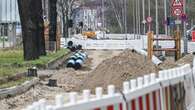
<point>88,17</point>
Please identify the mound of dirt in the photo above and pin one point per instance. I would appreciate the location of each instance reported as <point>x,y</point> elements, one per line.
<point>187,59</point>
<point>34,94</point>
<point>125,66</point>
<point>68,79</point>
<point>170,62</point>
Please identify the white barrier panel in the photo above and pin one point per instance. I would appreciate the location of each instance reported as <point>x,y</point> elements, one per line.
<point>151,92</point>
<point>123,44</point>
<point>107,44</point>
<point>119,36</point>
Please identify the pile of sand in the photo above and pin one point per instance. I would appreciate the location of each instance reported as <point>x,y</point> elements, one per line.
<point>187,59</point>
<point>116,70</point>
<point>68,79</point>
<point>34,94</point>
<point>170,62</point>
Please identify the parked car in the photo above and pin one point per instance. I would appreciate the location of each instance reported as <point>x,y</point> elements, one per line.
<point>189,32</point>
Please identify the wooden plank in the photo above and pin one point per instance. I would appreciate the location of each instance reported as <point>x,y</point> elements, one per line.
<point>163,39</point>
<point>165,49</point>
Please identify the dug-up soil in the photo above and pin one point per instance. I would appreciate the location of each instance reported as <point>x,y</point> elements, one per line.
<point>171,63</point>
<point>34,94</point>
<point>68,79</point>
<point>116,70</point>
<point>102,69</point>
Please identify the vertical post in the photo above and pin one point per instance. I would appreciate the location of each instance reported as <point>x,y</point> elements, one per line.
<point>134,20</point>
<point>178,45</point>
<point>1,21</point>
<point>125,19</point>
<point>136,17</point>
<point>165,14</point>
<point>103,13</point>
<point>144,21</point>
<point>122,16</point>
<point>157,29</point>
<point>139,19</point>
<point>185,36</point>
<point>150,44</point>
<point>98,92</point>
<point>149,8</point>
<point>103,17</point>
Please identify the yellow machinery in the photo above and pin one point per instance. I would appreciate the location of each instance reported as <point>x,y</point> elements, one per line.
<point>89,34</point>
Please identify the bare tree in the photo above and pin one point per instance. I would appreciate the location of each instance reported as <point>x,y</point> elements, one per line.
<point>66,7</point>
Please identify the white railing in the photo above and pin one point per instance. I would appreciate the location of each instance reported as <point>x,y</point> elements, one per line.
<point>171,89</point>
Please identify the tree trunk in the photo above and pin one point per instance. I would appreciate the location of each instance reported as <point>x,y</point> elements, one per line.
<point>32,28</point>
<point>40,28</point>
<point>52,24</point>
<point>67,26</point>
<point>64,23</point>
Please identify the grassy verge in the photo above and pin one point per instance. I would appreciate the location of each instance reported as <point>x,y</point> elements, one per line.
<point>14,83</point>
<point>12,62</point>
<point>9,71</point>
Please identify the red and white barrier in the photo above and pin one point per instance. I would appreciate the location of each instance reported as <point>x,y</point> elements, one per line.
<point>151,92</point>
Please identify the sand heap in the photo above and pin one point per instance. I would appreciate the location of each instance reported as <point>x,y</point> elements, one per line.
<point>187,59</point>
<point>170,62</point>
<point>125,66</point>
<point>68,79</point>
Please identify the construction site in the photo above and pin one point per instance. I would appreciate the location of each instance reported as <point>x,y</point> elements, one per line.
<point>102,56</point>
<point>102,67</point>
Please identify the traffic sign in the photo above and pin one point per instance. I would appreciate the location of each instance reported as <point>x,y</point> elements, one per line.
<point>177,3</point>
<point>149,19</point>
<point>177,11</point>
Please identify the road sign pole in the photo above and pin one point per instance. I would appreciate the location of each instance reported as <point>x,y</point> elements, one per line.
<point>143,9</point>
<point>149,8</point>
<point>149,27</point>
<point>149,20</point>
<point>157,31</point>
<point>165,12</point>
<point>185,36</point>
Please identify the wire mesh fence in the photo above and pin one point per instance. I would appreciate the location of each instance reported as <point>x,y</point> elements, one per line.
<point>10,29</point>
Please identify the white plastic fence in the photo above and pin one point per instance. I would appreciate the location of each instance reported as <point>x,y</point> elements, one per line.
<point>119,36</point>
<point>171,89</point>
<point>105,44</point>
<point>122,44</point>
